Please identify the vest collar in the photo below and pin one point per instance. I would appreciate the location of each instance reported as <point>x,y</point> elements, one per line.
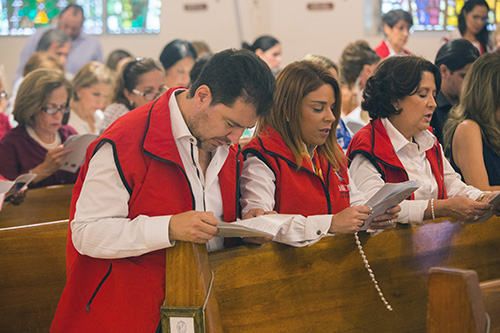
<point>158,138</point>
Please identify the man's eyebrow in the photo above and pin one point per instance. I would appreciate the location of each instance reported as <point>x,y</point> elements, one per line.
<point>234,123</point>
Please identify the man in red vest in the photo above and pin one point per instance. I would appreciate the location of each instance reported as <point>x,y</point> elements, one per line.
<point>167,171</point>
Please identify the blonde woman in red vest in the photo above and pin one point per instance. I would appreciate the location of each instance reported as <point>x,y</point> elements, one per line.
<point>294,166</point>
<point>397,146</point>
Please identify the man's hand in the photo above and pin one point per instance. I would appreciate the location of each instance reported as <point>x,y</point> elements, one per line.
<point>193,226</point>
<point>255,212</point>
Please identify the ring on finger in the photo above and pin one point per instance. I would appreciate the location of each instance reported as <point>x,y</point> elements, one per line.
<point>476,218</point>
<point>390,222</point>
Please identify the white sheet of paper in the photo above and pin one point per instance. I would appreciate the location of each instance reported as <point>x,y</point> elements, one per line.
<point>495,201</point>
<point>79,143</point>
<point>17,184</point>
<point>266,225</point>
<point>389,195</point>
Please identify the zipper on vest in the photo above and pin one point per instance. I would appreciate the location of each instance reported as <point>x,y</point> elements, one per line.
<point>199,177</point>
<point>99,287</point>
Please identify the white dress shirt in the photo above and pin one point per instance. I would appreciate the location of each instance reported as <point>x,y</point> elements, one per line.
<point>81,126</point>
<point>101,228</point>
<point>412,156</point>
<point>257,191</point>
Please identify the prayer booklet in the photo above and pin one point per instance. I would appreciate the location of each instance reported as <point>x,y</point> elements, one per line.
<point>17,184</point>
<point>389,195</point>
<point>9,187</point>
<point>495,202</point>
<point>79,143</point>
<point>265,225</point>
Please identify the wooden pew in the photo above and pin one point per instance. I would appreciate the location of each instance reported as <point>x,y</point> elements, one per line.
<point>32,275</point>
<point>43,204</point>
<point>325,287</point>
<point>457,302</point>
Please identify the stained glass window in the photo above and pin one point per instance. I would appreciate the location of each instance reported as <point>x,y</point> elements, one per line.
<point>23,17</point>
<point>438,14</point>
<point>133,16</point>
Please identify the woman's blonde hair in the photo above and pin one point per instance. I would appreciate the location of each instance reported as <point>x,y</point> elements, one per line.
<point>92,73</point>
<point>34,93</point>
<point>293,83</point>
<point>323,61</point>
<point>479,101</point>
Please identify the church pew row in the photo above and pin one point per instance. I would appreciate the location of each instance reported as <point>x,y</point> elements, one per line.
<point>32,275</point>
<point>43,204</point>
<point>274,287</point>
<point>459,303</point>
<point>326,288</point>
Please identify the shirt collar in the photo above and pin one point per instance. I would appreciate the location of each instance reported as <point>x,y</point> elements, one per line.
<point>424,139</point>
<point>179,127</point>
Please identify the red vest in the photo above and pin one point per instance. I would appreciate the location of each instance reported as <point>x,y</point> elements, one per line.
<point>125,295</point>
<point>383,50</point>
<point>301,190</point>
<point>373,142</point>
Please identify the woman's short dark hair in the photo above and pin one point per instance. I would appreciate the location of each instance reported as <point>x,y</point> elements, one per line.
<point>115,57</point>
<point>263,42</point>
<point>469,5</point>
<point>394,16</point>
<point>233,74</point>
<point>456,54</point>
<point>130,75</point>
<point>395,78</point>
<point>176,50</point>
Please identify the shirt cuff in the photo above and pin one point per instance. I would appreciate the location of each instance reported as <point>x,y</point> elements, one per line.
<point>317,226</point>
<point>156,232</point>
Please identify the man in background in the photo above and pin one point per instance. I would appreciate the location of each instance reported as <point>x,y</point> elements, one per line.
<point>453,60</point>
<point>84,48</point>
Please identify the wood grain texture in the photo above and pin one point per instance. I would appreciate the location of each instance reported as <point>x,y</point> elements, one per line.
<point>43,204</point>
<point>326,288</point>
<point>32,276</point>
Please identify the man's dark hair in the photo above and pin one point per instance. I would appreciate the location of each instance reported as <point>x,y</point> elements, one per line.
<point>456,54</point>
<point>232,74</point>
<point>395,78</point>
<point>77,10</point>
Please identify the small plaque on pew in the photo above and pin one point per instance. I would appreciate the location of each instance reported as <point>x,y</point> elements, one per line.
<point>182,319</point>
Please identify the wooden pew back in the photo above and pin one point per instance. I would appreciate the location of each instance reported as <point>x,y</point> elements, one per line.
<point>457,302</point>
<point>43,204</point>
<point>32,275</point>
<point>326,288</point>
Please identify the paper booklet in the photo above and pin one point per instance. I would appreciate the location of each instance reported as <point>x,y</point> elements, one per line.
<point>495,201</point>
<point>17,184</point>
<point>9,187</point>
<point>79,143</point>
<point>265,225</point>
<point>389,195</point>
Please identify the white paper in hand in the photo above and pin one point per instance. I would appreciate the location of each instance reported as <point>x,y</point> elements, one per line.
<point>265,225</point>
<point>494,202</point>
<point>389,195</point>
<point>79,143</point>
<point>17,184</point>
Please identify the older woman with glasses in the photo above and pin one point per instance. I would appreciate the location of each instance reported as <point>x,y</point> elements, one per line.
<point>141,81</point>
<point>36,144</point>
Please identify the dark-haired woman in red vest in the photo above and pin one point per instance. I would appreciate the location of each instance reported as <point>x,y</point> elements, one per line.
<point>397,146</point>
<point>294,166</point>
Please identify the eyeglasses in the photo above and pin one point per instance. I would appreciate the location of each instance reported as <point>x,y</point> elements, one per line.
<point>53,110</point>
<point>3,95</point>
<point>150,96</point>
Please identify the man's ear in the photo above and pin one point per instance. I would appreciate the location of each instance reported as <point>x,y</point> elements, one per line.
<point>387,29</point>
<point>444,70</point>
<point>203,96</point>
